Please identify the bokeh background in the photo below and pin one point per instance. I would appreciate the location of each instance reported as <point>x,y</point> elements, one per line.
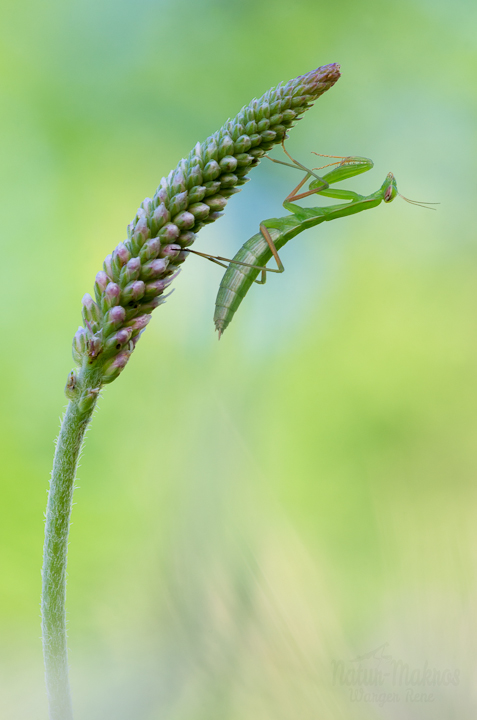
<point>259,518</point>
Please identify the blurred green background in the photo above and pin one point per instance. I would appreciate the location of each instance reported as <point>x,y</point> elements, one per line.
<point>251,512</point>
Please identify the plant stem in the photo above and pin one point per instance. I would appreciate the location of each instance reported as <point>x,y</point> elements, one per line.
<point>60,498</point>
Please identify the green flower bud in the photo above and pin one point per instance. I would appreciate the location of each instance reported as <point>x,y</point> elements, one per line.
<point>280,132</point>
<point>197,194</point>
<point>216,203</point>
<point>255,140</point>
<point>187,238</point>
<point>179,203</point>
<point>228,164</point>
<point>211,171</point>
<point>243,160</point>
<point>263,112</point>
<point>195,177</point>
<point>199,211</point>
<point>211,188</point>
<point>228,180</point>
<point>268,135</point>
<point>229,191</point>
<point>242,144</point>
<point>226,146</point>
<point>88,399</point>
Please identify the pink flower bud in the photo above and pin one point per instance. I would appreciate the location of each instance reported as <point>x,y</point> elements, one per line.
<point>141,229</point>
<point>178,181</point>
<point>80,344</point>
<point>107,265</point>
<point>162,193</point>
<point>120,360</point>
<point>170,251</point>
<point>169,232</point>
<point>123,335</point>
<point>161,217</point>
<point>140,322</point>
<point>184,221</point>
<point>87,301</point>
<point>150,250</point>
<point>121,254</point>
<point>154,268</point>
<point>116,315</point>
<point>110,296</point>
<point>158,286</point>
<point>131,271</point>
<point>113,291</point>
<point>147,205</point>
<point>113,369</point>
<point>137,290</point>
<point>134,264</point>
<point>102,280</point>
<point>116,341</point>
<point>91,313</point>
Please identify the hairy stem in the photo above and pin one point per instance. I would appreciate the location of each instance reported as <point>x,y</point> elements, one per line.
<point>60,498</point>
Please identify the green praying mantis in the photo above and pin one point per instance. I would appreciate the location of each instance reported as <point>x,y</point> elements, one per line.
<point>252,258</point>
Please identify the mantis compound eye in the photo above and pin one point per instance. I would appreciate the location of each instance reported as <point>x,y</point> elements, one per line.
<point>388,195</point>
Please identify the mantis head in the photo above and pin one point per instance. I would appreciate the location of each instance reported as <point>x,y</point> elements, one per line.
<point>389,190</point>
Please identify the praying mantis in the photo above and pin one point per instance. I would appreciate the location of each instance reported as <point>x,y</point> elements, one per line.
<point>253,256</point>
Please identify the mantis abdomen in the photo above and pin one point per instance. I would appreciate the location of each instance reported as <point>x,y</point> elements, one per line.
<point>237,279</point>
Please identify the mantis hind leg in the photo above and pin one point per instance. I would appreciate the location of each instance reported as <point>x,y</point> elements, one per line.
<point>217,258</point>
<point>274,251</point>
